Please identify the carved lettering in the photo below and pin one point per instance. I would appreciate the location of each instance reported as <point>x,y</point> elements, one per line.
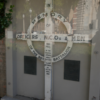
<point>56,37</point>
<point>48,37</point>
<point>65,20</point>
<point>31,47</point>
<point>78,38</point>
<point>62,55</point>
<point>27,36</point>
<point>34,36</point>
<point>39,17</point>
<point>60,16</point>
<point>65,38</point>
<point>33,21</point>
<point>82,38</point>
<point>35,53</point>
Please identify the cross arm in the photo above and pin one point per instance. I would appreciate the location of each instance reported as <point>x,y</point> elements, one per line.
<point>76,38</point>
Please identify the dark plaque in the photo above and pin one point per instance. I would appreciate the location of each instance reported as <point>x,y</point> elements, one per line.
<point>72,70</point>
<point>30,64</point>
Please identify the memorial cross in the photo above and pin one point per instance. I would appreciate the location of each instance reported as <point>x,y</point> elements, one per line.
<point>49,38</point>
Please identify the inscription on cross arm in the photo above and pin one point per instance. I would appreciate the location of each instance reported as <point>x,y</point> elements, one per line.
<point>76,38</point>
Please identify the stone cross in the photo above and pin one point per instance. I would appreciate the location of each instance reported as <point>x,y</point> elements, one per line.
<point>49,38</point>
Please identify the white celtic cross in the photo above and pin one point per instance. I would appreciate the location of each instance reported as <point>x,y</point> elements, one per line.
<point>49,38</point>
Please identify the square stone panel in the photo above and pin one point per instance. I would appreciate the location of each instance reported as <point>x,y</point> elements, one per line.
<point>72,70</point>
<point>30,64</point>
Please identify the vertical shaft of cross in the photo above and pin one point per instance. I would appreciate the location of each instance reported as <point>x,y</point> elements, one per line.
<point>48,51</point>
<point>48,70</point>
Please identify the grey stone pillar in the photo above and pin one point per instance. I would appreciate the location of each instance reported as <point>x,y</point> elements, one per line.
<point>10,58</point>
<point>95,65</point>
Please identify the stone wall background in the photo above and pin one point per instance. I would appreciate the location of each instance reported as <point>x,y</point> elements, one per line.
<point>2,69</point>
